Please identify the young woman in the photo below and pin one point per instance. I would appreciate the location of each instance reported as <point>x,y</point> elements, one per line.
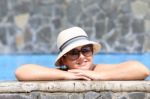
<point>76,54</point>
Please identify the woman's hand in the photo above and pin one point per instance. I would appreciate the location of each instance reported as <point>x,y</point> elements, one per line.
<point>86,73</point>
<point>75,76</point>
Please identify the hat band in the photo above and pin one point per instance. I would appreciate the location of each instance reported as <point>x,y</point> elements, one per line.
<point>72,40</point>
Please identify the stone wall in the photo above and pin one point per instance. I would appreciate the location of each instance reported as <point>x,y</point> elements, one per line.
<point>31,26</point>
<point>75,90</point>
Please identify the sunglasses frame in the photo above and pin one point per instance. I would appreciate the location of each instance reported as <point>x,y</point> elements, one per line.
<point>88,52</point>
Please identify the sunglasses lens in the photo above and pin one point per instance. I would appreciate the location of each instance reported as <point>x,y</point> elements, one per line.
<point>87,50</point>
<point>73,54</point>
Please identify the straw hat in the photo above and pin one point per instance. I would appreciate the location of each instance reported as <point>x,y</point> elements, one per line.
<point>70,39</point>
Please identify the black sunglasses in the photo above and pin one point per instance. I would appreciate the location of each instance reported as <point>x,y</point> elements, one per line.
<point>74,54</point>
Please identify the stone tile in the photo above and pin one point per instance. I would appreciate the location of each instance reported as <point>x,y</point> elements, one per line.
<point>137,95</point>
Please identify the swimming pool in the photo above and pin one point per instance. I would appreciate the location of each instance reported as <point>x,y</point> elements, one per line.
<point>9,63</point>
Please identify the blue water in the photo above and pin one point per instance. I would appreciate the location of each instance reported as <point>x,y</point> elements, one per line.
<point>9,63</point>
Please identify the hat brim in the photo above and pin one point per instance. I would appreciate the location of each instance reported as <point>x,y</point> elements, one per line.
<point>96,48</point>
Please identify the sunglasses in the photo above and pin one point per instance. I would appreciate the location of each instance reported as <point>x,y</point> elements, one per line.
<point>74,54</point>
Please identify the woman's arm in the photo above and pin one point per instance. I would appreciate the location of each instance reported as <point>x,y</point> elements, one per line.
<point>35,72</point>
<point>131,70</point>
<point>32,72</point>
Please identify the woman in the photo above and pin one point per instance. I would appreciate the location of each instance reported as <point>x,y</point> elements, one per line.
<point>76,53</point>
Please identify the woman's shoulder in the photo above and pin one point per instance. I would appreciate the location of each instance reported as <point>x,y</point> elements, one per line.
<point>103,66</point>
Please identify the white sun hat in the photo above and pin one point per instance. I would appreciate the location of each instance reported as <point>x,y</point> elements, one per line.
<point>71,38</point>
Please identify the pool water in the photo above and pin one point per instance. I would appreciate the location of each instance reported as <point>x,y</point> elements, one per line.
<point>9,63</point>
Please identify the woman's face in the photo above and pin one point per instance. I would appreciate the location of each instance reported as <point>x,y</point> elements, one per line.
<point>79,58</point>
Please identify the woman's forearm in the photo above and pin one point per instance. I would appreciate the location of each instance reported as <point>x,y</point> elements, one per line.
<point>131,70</point>
<point>32,72</point>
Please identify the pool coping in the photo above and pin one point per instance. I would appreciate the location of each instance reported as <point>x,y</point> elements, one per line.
<point>73,86</point>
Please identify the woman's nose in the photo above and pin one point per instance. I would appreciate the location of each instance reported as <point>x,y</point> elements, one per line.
<point>81,56</point>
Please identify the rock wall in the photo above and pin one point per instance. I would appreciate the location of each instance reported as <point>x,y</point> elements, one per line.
<point>75,90</point>
<point>31,26</point>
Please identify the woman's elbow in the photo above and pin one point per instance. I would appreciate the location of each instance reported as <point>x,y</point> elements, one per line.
<point>20,73</point>
<point>143,70</point>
